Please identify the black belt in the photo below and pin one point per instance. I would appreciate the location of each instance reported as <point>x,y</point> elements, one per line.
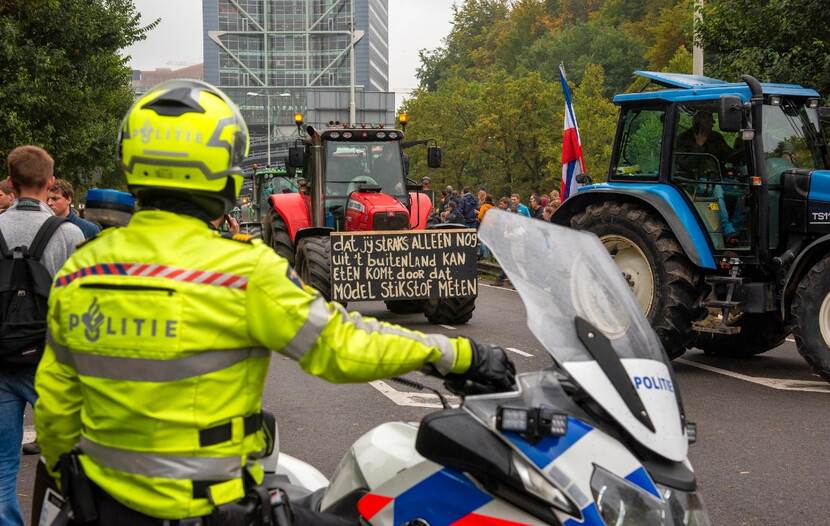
<point>223,433</point>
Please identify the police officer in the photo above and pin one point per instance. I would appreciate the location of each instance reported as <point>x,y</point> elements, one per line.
<point>160,332</point>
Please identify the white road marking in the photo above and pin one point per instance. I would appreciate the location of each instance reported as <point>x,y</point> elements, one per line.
<point>480,284</point>
<point>428,400</point>
<point>450,327</point>
<point>790,339</point>
<point>781,384</point>
<point>28,434</point>
<point>517,351</point>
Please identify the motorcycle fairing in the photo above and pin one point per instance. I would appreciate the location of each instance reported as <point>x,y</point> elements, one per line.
<point>563,275</point>
<point>404,486</point>
<point>570,460</point>
<point>652,381</point>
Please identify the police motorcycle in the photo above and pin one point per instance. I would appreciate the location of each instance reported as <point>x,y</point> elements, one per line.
<point>600,438</point>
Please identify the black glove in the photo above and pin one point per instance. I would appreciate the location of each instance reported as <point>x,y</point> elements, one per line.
<point>491,371</point>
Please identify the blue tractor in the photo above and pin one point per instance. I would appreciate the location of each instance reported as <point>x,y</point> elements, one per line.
<point>717,211</point>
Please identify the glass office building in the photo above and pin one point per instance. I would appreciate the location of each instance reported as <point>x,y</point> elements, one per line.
<point>277,57</point>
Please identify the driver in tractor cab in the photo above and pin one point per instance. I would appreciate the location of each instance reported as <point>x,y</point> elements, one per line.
<point>387,166</point>
<point>160,335</point>
<point>701,138</point>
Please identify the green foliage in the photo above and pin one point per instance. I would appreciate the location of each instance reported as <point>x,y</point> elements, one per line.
<point>65,86</point>
<point>597,117</point>
<point>490,94</point>
<point>774,40</point>
<point>589,43</point>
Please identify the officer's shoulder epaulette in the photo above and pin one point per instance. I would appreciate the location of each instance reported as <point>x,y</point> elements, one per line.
<point>102,233</point>
<point>242,238</point>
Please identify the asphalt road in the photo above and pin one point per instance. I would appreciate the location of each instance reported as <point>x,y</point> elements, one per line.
<point>763,423</point>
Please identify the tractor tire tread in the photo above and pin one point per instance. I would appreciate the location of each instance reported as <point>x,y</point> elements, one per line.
<point>313,256</point>
<point>450,311</point>
<point>280,239</point>
<point>810,345</point>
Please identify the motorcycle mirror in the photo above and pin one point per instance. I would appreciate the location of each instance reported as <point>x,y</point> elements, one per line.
<point>434,157</point>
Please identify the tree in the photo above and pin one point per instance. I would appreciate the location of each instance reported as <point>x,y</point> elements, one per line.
<point>597,118</point>
<point>774,40</point>
<point>65,86</point>
<point>591,43</point>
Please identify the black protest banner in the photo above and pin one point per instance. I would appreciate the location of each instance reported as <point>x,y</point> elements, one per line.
<point>413,264</point>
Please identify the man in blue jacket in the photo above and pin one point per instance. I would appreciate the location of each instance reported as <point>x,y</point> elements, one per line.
<point>516,201</point>
<point>61,196</point>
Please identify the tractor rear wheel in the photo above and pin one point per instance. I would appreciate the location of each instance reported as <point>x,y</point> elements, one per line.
<point>280,239</point>
<point>405,306</point>
<point>450,311</point>
<point>313,255</point>
<point>811,317</point>
<point>662,278</point>
<point>759,333</point>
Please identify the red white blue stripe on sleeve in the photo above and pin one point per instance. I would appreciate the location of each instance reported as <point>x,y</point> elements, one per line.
<point>201,277</point>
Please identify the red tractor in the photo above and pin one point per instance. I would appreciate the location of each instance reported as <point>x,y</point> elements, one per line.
<point>356,181</point>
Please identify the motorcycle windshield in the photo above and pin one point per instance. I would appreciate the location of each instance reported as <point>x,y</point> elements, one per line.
<point>563,275</point>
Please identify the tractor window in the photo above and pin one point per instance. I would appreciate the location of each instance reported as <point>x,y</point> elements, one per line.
<point>351,164</point>
<point>709,166</point>
<point>640,143</point>
<point>790,138</point>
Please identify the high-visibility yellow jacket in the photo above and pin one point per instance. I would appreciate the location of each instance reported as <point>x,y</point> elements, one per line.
<point>157,351</point>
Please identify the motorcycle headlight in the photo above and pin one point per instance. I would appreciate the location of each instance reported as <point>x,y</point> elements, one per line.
<point>686,509</point>
<point>536,484</point>
<point>621,503</point>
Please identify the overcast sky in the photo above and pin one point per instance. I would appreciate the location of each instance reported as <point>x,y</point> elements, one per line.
<point>177,41</point>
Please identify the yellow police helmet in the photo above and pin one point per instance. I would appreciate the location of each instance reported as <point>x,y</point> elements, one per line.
<point>185,137</point>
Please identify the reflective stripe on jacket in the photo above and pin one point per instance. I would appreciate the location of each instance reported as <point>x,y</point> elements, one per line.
<point>157,353</point>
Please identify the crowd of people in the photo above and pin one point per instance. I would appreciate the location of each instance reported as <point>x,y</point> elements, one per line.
<point>466,209</point>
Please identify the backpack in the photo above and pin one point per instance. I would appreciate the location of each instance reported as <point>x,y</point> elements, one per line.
<point>24,297</point>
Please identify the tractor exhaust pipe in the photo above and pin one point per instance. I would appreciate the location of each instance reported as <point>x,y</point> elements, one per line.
<point>760,167</point>
<point>318,214</point>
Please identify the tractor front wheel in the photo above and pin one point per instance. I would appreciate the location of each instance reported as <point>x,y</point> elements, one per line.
<point>450,311</point>
<point>313,255</point>
<point>405,306</point>
<point>811,316</point>
<point>279,239</point>
<point>651,259</point>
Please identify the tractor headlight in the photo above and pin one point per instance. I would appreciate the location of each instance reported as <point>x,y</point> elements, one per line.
<point>621,503</point>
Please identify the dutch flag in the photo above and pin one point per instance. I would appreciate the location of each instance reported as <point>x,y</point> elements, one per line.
<point>573,163</point>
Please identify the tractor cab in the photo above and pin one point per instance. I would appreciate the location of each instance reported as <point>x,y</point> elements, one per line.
<point>359,176</point>
<point>697,136</point>
<point>364,180</point>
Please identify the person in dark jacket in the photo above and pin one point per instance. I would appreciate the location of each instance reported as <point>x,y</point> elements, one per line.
<point>468,207</point>
<point>60,200</point>
<point>536,208</point>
